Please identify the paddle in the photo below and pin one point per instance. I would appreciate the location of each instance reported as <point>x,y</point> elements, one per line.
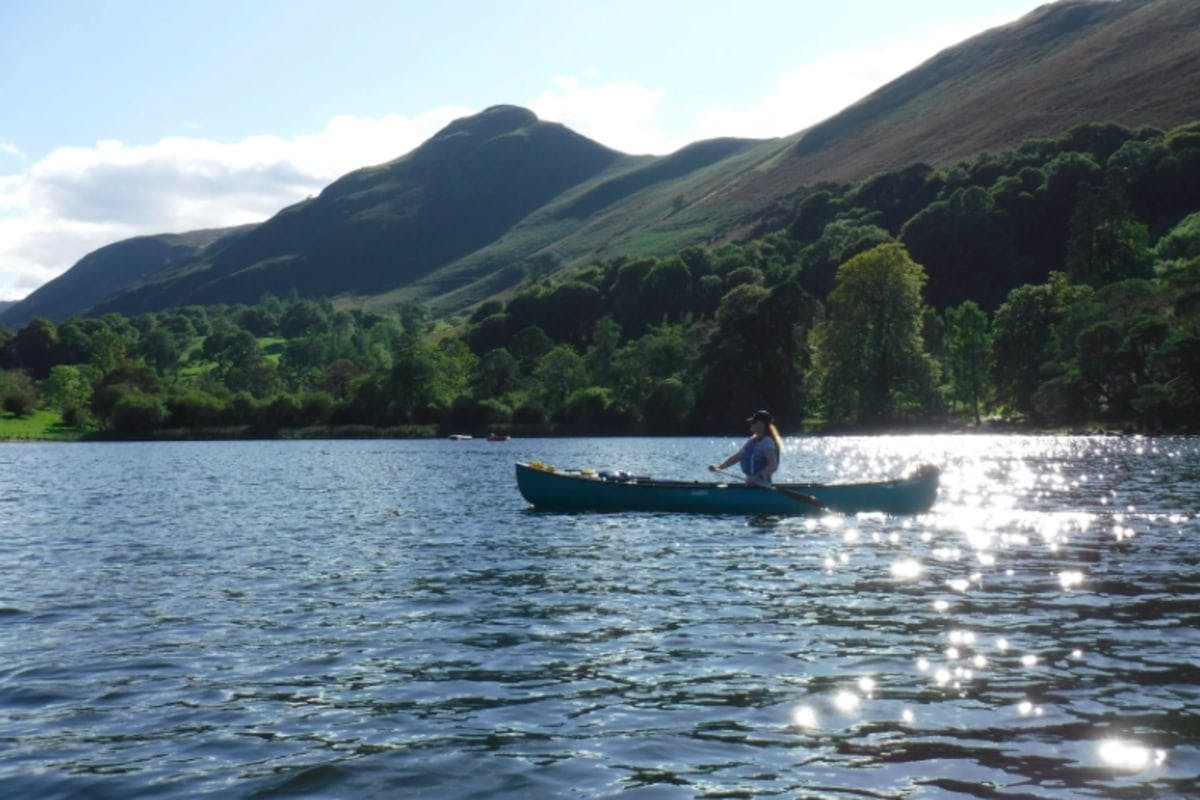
<point>803,498</point>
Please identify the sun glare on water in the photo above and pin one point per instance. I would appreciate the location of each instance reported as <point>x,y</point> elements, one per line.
<point>1129,756</point>
<point>1008,530</point>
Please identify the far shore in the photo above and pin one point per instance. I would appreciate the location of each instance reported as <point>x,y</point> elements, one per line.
<point>47,427</point>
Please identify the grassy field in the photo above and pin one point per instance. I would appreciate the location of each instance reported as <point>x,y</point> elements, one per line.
<point>41,425</point>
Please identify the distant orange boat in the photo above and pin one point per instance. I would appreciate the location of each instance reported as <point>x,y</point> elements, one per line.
<point>498,437</point>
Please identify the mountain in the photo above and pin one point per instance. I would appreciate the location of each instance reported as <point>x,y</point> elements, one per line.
<point>112,268</point>
<point>390,225</point>
<point>6,304</point>
<point>1131,62</point>
<point>468,213</point>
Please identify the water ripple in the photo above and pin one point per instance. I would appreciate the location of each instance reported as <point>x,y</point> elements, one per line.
<point>374,619</point>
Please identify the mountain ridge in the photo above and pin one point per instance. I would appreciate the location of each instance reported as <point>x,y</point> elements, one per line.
<point>459,218</point>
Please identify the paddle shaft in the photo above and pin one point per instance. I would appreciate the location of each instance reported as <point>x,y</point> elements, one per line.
<point>803,498</point>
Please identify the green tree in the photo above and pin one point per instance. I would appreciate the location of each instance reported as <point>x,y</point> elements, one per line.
<point>410,387</point>
<point>570,311</point>
<point>529,345</point>
<point>495,374</point>
<point>839,241</point>
<point>107,350</point>
<point>137,412</point>
<point>194,408</point>
<point>595,408</point>
<point>338,377</point>
<point>258,320</point>
<point>8,349</point>
<point>869,362</point>
<point>967,343</point>
<point>17,393</point>
<point>606,338</point>
<point>37,346</point>
<point>558,373</point>
<point>160,348</point>
<point>670,283</point>
<point>642,365</point>
<point>281,412</point>
<point>1171,398</point>
<point>128,380</point>
<point>1106,244</point>
<point>1182,242</point>
<point>454,365</point>
<point>67,387</point>
<point>302,318</point>
<point>1101,352</point>
<point>756,356</point>
<point>253,374</point>
<point>735,373</point>
<point>1025,338</point>
<point>669,406</point>
<point>967,253</point>
<point>230,346</point>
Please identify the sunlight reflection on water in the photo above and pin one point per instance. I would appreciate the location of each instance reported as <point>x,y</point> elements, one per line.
<point>1018,507</point>
<point>362,627</point>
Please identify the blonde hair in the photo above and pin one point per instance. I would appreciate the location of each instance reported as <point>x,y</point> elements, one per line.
<point>773,432</point>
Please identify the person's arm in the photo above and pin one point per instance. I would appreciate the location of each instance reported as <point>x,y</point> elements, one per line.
<point>729,462</point>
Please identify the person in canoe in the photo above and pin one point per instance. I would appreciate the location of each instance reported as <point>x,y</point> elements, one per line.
<point>759,456</point>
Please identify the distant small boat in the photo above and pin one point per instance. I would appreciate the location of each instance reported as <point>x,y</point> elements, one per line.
<point>585,490</point>
<point>460,437</point>
<point>498,437</point>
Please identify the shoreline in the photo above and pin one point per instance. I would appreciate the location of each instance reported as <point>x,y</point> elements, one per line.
<point>553,430</point>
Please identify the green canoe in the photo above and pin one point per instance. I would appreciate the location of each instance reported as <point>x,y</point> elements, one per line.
<point>584,490</point>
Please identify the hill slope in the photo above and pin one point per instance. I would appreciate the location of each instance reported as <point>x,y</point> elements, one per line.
<point>457,219</point>
<point>1134,62</point>
<point>104,272</point>
<point>389,225</point>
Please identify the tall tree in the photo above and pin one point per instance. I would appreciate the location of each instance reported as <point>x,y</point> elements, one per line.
<point>967,342</point>
<point>869,360</point>
<point>1024,338</point>
<point>37,346</point>
<point>1106,243</point>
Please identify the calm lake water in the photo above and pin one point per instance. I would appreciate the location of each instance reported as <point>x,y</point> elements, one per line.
<point>389,619</point>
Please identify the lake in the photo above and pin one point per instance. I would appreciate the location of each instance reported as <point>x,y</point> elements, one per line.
<point>390,619</point>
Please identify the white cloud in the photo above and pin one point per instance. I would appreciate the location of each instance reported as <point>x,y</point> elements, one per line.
<point>77,199</point>
<point>10,149</point>
<point>816,90</point>
<point>622,115</point>
<point>632,118</point>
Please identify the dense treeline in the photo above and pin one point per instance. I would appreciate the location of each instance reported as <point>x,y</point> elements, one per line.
<point>1057,283</point>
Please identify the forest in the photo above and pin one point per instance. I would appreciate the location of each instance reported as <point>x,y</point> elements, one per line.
<point>1055,285</point>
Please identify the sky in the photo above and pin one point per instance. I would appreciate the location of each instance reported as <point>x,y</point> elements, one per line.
<point>131,117</point>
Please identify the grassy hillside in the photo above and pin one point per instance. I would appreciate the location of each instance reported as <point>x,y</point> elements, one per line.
<point>500,194</point>
<point>626,211</point>
<point>1134,63</point>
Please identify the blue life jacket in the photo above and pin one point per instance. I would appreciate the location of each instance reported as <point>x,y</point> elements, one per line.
<point>754,455</point>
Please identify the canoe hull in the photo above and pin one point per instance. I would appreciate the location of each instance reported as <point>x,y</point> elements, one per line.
<point>570,491</point>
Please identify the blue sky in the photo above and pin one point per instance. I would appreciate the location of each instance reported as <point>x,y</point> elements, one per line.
<point>129,117</point>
